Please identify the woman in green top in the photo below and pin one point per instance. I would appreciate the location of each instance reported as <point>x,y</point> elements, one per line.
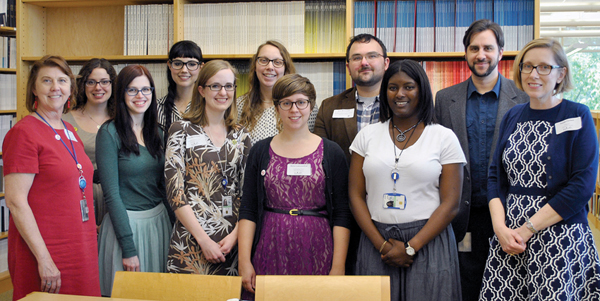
<point>134,236</point>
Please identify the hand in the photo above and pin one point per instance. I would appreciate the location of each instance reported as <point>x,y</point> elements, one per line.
<point>131,264</point>
<point>395,255</point>
<point>248,276</point>
<point>525,233</point>
<point>228,243</point>
<point>212,251</point>
<point>50,276</point>
<point>510,240</point>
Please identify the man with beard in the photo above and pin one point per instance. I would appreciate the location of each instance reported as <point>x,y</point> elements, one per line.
<point>474,109</point>
<point>342,116</point>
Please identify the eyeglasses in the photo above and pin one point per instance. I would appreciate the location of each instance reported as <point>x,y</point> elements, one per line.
<point>218,87</point>
<point>92,83</point>
<point>300,104</point>
<point>369,56</point>
<point>541,69</point>
<point>135,91</point>
<point>191,65</point>
<point>277,63</point>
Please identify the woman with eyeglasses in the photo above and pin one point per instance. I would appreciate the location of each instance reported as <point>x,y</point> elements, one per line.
<point>134,236</point>
<point>255,109</point>
<point>183,66</point>
<point>541,178</point>
<point>204,170</point>
<point>294,218</point>
<point>95,105</point>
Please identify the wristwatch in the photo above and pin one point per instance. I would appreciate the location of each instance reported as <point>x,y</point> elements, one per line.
<point>409,250</point>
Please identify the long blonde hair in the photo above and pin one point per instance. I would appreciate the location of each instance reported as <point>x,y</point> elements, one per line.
<point>197,112</point>
<point>252,110</point>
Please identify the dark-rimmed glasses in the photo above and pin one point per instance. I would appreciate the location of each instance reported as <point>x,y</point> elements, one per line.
<point>103,82</point>
<point>135,91</point>
<point>191,65</point>
<point>218,87</point>
<point>300,104</point>
<point>541,69</point>
<point>277,63</point>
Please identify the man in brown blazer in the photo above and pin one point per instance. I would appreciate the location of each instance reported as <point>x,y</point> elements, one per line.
<point>342,116</point>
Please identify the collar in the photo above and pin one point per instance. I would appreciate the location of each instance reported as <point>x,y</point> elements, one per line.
<point>362,102</point>
<point>471,87</point>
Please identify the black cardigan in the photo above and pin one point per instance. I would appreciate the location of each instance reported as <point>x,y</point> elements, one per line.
<point>336,185</point>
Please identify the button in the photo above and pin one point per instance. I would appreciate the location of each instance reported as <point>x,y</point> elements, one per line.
<point>548,157</point>
<point>550,177</point>
<point>467,203</point>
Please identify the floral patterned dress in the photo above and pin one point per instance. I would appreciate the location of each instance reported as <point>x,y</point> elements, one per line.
<point>194,171</point>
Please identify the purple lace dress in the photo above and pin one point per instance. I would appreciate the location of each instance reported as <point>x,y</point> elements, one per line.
<point>294,245</point>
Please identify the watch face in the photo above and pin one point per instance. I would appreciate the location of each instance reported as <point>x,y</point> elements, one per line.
<point>410,251</point>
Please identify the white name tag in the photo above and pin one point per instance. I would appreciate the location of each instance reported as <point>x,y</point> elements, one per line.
<point>343,113</point>
<point>192,141</point>
<point>571,124</point>
<point>70,135</point>
<point>299,170</point>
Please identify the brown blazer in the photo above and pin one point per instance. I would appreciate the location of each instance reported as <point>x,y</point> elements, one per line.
<point>340,130</point>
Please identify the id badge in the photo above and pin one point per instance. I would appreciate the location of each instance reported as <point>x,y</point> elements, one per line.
<point>299,170</point>
<point>227,206</point>
<point>394,201</point>
<point>85,211</point>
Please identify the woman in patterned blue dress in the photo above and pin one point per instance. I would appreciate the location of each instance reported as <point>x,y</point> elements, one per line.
<point>542,175</point>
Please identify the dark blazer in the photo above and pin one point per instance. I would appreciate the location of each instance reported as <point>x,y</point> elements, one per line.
<point>339,130</point>
<point>450,111</point>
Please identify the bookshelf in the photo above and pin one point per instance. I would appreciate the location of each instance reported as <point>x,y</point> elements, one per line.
<point>82,29</point>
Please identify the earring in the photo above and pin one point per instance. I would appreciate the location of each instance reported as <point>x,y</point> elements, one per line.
<point>68,103</point>
<point>35,103</point>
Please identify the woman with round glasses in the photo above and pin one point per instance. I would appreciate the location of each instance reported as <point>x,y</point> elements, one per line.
<point>134,236</point>
<point>294,218</point>
<point>95,105</point>
<point>255,109</point>
<point>204,169</point>
<point>185,62</point>
<point>541,178</point>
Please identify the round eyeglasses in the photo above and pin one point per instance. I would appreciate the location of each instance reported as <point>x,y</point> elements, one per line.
<point>541,69</point>
<point>93,83</point>
<point>191,65</point>
<point>287,105</point>
<point>277,63</point>
<point>135,91</point>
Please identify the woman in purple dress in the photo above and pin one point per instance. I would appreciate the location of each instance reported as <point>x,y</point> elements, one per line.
<point>294,217</point>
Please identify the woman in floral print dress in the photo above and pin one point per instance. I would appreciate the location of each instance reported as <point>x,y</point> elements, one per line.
<point>204,170</point>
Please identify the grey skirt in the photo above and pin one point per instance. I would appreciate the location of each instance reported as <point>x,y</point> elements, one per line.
<point>434,274</point>
<point>151,233</point>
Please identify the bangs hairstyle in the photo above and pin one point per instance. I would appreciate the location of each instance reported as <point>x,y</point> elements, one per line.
<point>416,72</point>
<point>252,110</point>
<point>560,57</point>
<point>83,76</point>
<point>183,49</point>
<point>51,61</point>
<point>292,84</point>
<point>197,113</point>
<point>123,121</point>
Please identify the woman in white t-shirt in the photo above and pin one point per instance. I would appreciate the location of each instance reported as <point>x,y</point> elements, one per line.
<point>405,184</point>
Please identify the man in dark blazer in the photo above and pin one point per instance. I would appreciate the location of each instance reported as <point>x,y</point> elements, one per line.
<point>342,116</point>
<point>474,109</point>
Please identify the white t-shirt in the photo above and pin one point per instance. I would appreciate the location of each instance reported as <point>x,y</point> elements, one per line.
<point>420,168</point>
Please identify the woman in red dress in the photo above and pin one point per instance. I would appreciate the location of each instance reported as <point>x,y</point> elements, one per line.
<point>52,244</point>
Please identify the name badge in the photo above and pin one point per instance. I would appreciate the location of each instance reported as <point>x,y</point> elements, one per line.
<point>193,141</point>
<point>70,135</point>
<point>227,206</point>
<point>343,113</point>
<point>394,201</point>
<point>299,170</point>
<point>571,124</point>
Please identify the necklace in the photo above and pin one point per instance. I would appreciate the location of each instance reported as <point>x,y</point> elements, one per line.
<point>396,172</point>
<point>224,182</point>
<point>92,119</point>
<point>402,134</point>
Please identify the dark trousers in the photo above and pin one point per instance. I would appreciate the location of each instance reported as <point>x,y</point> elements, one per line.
<point>472,264</point>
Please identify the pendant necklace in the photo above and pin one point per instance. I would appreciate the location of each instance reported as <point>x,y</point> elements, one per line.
<point>402,134</point>
<point>224,182</point>
<point>90,117</point>
<point>396,172</point>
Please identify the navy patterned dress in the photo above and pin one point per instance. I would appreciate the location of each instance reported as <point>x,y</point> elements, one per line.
<point>560,262</point>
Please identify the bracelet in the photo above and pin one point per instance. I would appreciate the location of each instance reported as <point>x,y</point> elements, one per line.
<point>529,226</point>
<point>382,245</point>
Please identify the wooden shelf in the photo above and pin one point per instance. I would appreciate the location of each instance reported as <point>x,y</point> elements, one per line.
<point>88,3</point>
<point>8,70</point>
<point>129,58</point>
<point>7,112</point>
<point>8,31</point>
<point>3,235</point>
<point>438,55</point>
